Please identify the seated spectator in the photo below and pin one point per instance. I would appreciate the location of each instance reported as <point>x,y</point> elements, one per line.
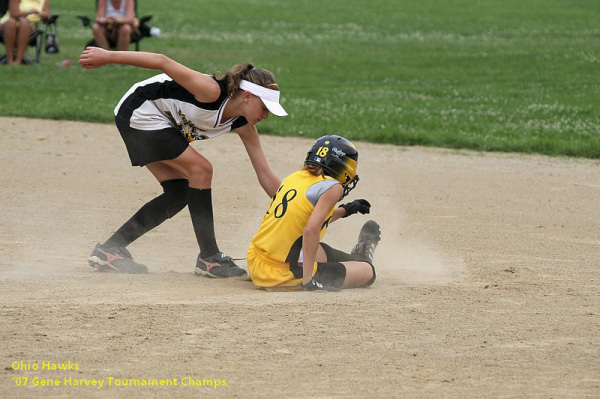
<point>19,23</point>
<point>114,24</point>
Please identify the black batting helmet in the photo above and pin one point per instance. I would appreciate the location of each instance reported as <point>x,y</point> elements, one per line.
<point>339,159</point>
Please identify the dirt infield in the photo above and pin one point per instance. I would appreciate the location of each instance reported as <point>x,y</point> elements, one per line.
<point>488,281</point>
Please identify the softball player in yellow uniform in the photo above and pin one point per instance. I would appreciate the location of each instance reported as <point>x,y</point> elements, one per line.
<point>286,253</point>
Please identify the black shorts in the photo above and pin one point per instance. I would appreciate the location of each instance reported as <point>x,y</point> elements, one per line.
<point>146,146</point>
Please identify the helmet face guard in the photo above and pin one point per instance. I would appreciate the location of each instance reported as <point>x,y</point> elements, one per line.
<point>349,187</point>
<point>338,158</point>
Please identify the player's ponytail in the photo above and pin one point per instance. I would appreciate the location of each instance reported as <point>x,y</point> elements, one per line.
<point>247,71</point>
<point>314,170</point>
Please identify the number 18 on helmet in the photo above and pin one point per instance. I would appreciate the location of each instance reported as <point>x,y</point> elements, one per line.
<point>339,159</point>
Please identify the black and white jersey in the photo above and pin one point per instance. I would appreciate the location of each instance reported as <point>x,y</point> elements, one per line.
<point>159,103</point>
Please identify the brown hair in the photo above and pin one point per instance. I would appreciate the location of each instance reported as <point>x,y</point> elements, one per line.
<point>314,170</point>
<point>246,71</point>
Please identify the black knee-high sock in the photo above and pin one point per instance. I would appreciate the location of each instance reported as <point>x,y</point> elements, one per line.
<point>201,211</point>
<point>153,213</point>
<point>335,255</point>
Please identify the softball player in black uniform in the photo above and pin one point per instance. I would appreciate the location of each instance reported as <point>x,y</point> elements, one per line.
<point>157,119</point>
<point>287,253</point>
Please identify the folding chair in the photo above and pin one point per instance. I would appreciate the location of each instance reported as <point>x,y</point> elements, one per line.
<point>36,39</point>
<point>141,29</point>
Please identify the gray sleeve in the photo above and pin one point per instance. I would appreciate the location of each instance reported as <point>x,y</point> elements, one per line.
<point>315,191</point>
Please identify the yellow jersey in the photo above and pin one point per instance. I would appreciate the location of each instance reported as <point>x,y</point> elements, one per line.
<point>26,5</point>
<point>278,242</point>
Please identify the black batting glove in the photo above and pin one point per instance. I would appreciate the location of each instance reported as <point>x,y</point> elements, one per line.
<point>357,206</point>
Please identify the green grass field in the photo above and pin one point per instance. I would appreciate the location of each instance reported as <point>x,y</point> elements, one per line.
<point>511,75</point>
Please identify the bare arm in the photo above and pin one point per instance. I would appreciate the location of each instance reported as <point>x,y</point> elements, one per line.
<point>45,13</point>
<point>312,230</point>
<point>338,213</point>
<point>266,177</point>
<point>101,13</point>
<point>129,13</point>
<point>203,87</point>
<point>13,9</point>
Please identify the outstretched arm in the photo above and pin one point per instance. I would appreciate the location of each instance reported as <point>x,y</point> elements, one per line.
<point>266,177</point>
<point>203,87</point>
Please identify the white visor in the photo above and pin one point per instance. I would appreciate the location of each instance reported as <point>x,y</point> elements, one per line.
<point>269,97</point>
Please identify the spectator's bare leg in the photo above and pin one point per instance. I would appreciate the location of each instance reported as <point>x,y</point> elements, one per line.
<point>124,37</point>
<point>10,37</point>
<point>23,35</point>
<point>100,34</point>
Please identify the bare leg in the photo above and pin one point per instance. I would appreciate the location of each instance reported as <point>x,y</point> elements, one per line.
<point>23,35</point>
<point>163,172</point>
<point>124,37</point>
<point>357,274</point>
<point>193,166</point>
<point>10,37</point>
<point>100,34</point>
